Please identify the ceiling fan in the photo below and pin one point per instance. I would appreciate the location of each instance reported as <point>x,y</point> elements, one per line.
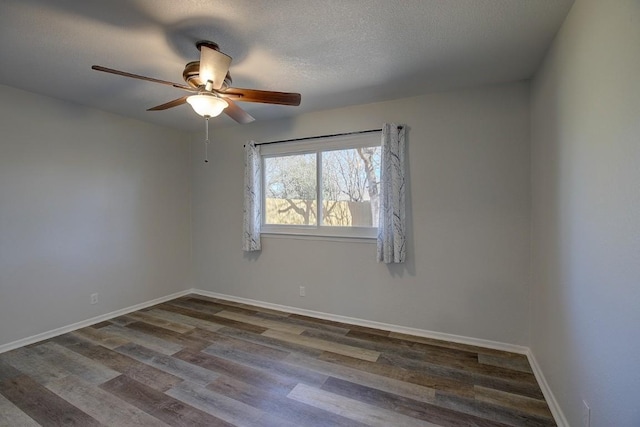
<point>209,83</point>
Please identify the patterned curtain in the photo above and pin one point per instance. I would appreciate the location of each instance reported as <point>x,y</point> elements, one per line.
<point>391,222</point>
<point>252,194</point>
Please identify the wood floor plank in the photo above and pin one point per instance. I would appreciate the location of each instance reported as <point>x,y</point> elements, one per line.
<point>279,406</point>
<point>172,365</point>
<point>341,325</point>
<point>89,370</point>
<point>223,407</point>
<point>429,381</point>
<point>517,362</point>
<point>450,344</point>
<point>242,307</point>
<point>374,345</point>
<point>197,304</point>
<point>270,342</point>
<point>250,375</point>
<point>101,337</point>
<point>282,318</point>
<point>472,364</point>
<point>320,344</point>
<point>42,405</point>
<point>149,317</point>
<point>231,344</point>
<point>151,376</point>
<point>123,320</point>
<point>186,320</point>
<point>101,324</point>
<point>11,415</point>
<point>407,406</point>
<point>427,349</point>
<point>491,411</point>
<point>146,340</point>
<point>204,315</point>
<point>182,340</point>
<point>258,321</point>
<point>133,368</point>
<point>269,365</point>
<point>452,368</point>
<point>160,405</point>
<point>215,305</point>
<point>29,363</point>
<point>519,383</point>
<point>354,409</point>
<point>513,401</point>
<point>390,385</point>
<point>101,405</point>
<point>6,370</point>
<point>271,420</point>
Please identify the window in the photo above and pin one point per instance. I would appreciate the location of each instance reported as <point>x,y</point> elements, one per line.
<point>327,187</point>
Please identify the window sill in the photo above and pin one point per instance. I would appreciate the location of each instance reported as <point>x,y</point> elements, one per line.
<point>318,237</point>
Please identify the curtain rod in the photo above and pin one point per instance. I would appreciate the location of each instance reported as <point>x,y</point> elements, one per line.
<point>358,132</point>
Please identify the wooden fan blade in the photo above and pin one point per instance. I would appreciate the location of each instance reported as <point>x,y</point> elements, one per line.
<point>136,76</point>
<point>213,65</point>
<point>263,96</point>
<point>170,104</point>
<point>237,113</point>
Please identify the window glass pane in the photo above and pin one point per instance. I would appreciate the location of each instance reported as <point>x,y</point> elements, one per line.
<point>290,189</point>
<point>351,187</point>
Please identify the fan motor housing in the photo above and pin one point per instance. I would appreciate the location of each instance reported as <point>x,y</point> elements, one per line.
<point>191,76</point>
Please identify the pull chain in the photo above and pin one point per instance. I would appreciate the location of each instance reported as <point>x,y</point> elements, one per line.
<point>206,140</point>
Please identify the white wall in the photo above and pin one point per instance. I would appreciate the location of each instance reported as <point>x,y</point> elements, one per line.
<point>586,213</point>
<point>469,220</point>
<point>89,202</point>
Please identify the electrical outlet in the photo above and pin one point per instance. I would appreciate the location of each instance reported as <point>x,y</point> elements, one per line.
<point>586,414</point>
<point>94,298</point>
<point>303,291</point>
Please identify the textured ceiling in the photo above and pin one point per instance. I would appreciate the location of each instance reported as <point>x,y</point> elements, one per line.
<point>334,52</point>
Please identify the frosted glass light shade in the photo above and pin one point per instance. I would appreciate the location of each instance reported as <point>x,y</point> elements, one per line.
<point>207,105</point>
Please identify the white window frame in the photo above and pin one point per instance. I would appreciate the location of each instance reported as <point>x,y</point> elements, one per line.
<point>317,146</point>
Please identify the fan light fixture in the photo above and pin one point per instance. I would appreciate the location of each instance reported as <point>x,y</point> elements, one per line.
<point>207,104</point>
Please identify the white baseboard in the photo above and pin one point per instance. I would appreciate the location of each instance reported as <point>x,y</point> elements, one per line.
<point>83,324</point>
<point>371,324</point>
<point>556,411</point>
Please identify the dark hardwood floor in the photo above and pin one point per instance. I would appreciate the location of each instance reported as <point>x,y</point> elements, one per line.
<point>198,361</point>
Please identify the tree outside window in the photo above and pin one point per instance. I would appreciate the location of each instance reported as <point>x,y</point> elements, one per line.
<point>345,180</point>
